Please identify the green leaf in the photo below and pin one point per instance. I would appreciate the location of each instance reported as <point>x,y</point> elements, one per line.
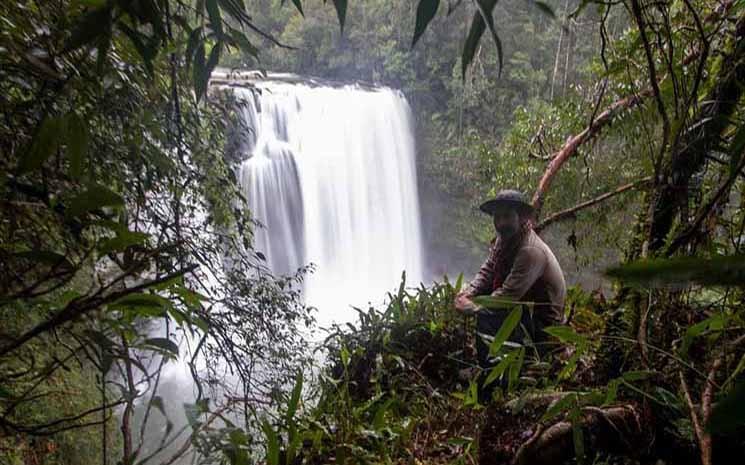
<point>299,7</point>
<point>198,71</point>
<point>135,300</point>
<point>578,437</point>
<point>509,325</point>
<point>496,303</point>
<point>214,13</point>
<point>546,9</point>
<point>44,144</point>
<point>90,26</point>
<point>294,399</point>
<point>565,334</point>
<point>728,414</point>
<point>481,19</point>
<point>242,41</point>
<point>737,150</point>
<point>97,196</point>
<point>121,242</point>
<point>77,143</point>
<point>501,367</point>
<point>341,11</point>
<point>713,323</point>
<point>560,406</point>
<point>164,344</point>
<point>46,257</point>
<point>157,402</point>
<point>195,38</point>
<point>425,12</point>
<point>272,443</point>
<point>717,271</point>
<point>637,375</point>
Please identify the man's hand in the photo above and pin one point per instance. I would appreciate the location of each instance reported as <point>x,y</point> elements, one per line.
<point>464,304</point>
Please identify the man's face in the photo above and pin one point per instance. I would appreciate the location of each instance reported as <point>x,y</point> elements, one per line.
<point>506,222</point>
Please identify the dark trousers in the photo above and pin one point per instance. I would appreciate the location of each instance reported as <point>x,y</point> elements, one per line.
<point>488,323</point>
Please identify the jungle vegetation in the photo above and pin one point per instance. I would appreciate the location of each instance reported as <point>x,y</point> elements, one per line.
<point>623,119</point>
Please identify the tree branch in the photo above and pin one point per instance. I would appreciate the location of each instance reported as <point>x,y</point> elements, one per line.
<point>570,212</point>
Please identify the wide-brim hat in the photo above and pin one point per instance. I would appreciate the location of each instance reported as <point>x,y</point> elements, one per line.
<point>508,198</point>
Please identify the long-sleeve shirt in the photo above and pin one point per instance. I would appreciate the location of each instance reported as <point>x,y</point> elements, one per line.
<point>535,277</point>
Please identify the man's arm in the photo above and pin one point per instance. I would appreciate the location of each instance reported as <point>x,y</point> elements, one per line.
<point>529,265</point>
<point>482,282</point>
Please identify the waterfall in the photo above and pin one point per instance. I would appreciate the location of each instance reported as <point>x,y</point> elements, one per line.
<point>330,173</point>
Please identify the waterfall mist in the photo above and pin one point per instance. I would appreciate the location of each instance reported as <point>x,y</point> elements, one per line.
<point>330,173</point>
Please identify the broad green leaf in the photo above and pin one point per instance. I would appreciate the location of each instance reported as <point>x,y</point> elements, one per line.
<point>121,241</point>
<point>425,12</point>
<point>565,334</point>
<point>91,25</point>
<point>299,6</point>
<point>97,196</point>
<point>459,283</point>
<point>272,443</point>
<point>242,41</point>
<point>509,325</point>
<point>560,406</point>
<point>164,344</point>
<point>45,142</point>
<point>199,71</point>
<point>728,414</point>
<point>721,270</point>
<point>195,38</point>
<point>481,19</point>
<point>496,303</point>
<point>578,437</point>
<point>501,368</point>
<point>47,258</point>
<point>341,11</point>
<point>77,143</point>
<point>294,399</point>
<point>545,8</point>
<point>637,375</point>
<point>143,300</point>
<point>213,11</point>
<point>737,150</point>
<point>157,402</point>
<point>713,323</point>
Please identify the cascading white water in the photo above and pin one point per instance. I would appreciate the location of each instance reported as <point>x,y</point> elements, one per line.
<point>330,172</point>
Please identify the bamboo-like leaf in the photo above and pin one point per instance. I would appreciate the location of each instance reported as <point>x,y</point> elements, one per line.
<point>90,26</point>
<point>737,150</point>
<point>272,443</point>
<point>729,414</point>
<point>95,197</point>
<point>164,344</point>
<point>721,270</point>
<point>195,38</point>
<point>545,8</point>
<point>77,144</point>
<point>294,399</point>
<point>299,6</point>
<point>341,11</point>
<point>46,141</point>
<point>213,11</point>
<point>198,71</point>
<point>481,19</point>
<point>425,12</point>
<point>565,334</point>
<point>509,325</point>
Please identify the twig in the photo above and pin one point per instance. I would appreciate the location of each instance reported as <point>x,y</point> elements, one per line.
<point>570,212</point>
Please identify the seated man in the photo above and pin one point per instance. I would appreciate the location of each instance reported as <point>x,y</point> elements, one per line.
<point>520,267</point>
